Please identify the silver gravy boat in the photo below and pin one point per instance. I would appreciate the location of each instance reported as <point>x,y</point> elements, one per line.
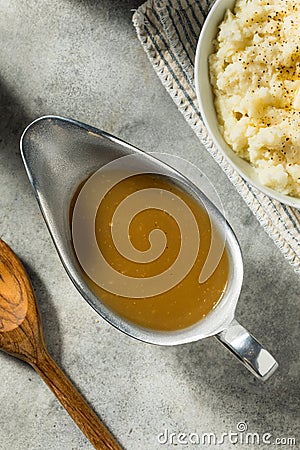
<point>58,154</point>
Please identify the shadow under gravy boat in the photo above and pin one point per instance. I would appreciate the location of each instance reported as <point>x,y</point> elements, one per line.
<point>58,154</point>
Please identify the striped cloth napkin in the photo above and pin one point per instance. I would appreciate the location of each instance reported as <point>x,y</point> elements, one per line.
<point>169,31</point>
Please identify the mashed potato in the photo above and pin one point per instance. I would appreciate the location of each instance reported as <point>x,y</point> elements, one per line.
<point>255,74</point>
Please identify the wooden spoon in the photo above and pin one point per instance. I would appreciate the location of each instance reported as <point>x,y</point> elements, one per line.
<point>21,335</point>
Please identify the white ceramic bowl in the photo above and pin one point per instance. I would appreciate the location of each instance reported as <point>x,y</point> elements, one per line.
<point>207,108</point>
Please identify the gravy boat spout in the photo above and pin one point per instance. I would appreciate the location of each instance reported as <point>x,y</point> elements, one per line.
<point>59,154</point>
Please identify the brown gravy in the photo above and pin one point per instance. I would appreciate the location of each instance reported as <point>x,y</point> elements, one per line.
<point>182,305</point>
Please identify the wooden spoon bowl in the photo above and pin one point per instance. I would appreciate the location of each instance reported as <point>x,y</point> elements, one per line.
<point>21,335</point>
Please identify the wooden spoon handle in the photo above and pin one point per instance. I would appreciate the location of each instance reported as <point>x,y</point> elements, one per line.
<point>74,403</point>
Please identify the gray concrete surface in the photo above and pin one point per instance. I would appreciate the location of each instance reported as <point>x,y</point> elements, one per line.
<point>81,58</point>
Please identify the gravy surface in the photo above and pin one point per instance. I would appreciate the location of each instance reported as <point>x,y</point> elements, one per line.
<point>182,305</point>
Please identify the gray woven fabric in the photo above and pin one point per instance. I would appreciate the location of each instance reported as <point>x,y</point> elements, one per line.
<point>169,31</point>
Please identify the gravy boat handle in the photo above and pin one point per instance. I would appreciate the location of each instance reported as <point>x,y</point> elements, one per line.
<point>248,350</point>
